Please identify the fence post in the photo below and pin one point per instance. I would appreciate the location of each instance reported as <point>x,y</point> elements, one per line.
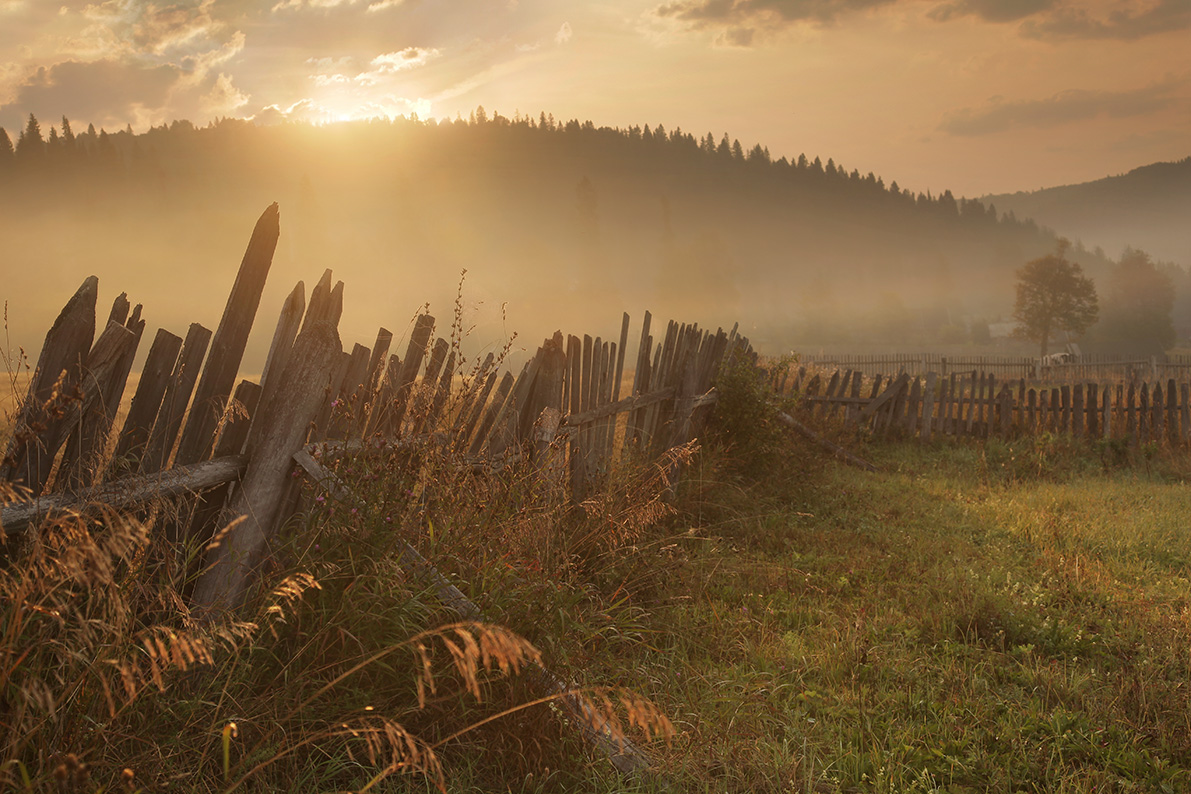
<point>928,406</point>
<point>28,459</point>
<point>302,387</point>
<point>227,347</point>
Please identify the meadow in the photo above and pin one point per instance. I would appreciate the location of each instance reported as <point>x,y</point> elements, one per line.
<point>976,616</point>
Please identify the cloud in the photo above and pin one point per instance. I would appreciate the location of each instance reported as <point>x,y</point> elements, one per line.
<point>409,58</point>
<point>991,10</point>
<point>381,5</point>
<point>1064,107</point>
<point>564,34</point>
<point>102,92</point>
<point>736,37</point>
<point>328,70</point>
<point>201,63</point>
<point>311,111</point>
<point>160,30</point>
<point>328,64</point>
<point>1122,23</point>
<point>224,98</point>
<point>744,17</point>
<point>302,110</point>
<point>741,22</point>
<point>284,5</point>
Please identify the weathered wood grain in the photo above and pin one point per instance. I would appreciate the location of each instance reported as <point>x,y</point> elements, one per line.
<point>146,402</point>
<point>258,499</point>
<point>231,337</point>
<point>123,493</point>
<point>29,459</point>
<point>177,395</point>
<point>233,435</point>
<point>88,420</point>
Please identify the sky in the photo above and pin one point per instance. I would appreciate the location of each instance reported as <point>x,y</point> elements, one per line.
<point>975,96</point>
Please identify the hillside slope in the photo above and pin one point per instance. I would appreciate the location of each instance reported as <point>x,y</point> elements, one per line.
<point>1145,208</point>
<point>557,225</point>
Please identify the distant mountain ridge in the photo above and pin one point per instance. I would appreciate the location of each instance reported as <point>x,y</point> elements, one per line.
<point>1147,208</point>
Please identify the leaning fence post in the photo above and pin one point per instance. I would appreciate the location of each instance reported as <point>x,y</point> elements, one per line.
<point>227,348</point>
<point>28,459</point>
<point>282,433</point>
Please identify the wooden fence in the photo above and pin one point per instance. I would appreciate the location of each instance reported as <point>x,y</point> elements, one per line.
<point>190,428</point>
<point>1088,366</point>
<point>979,404</point>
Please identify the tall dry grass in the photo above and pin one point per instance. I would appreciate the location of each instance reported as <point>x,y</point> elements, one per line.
<point>341,670</point>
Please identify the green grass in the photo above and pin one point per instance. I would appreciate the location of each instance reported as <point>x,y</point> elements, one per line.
<point>958,622</point>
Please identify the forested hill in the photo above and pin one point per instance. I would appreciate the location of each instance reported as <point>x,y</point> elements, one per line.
<point>562,225</point>
<point>1146,208</point>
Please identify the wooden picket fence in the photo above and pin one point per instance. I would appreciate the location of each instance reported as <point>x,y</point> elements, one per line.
<point>188,431</point>
<point>979,404</point>
<point>1087,366</point>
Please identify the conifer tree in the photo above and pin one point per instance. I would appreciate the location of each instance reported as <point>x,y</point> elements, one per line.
<point>6,153</point>
<point>31,146</point>
<point>67,134</point>
<point>725,148</point>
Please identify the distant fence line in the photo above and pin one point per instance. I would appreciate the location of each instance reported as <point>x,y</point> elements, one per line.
<point>981,405</point>
<point>1083,367</point>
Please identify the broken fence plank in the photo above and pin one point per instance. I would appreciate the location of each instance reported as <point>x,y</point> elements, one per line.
<point>834,449</point>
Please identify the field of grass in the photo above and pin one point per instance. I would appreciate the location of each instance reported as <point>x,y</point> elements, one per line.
<point>998,618</point>
<point>976,617</point>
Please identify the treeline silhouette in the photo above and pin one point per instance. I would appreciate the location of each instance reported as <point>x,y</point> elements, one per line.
<point>559,222</point>
<point>129,155</point>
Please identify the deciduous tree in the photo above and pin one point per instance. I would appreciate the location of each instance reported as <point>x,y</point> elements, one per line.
<point>1053,294</point>
<point>1138,305</point>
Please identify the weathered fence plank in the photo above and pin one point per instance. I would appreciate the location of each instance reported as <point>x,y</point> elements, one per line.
<point>86,421</point>
<point>29,457</point>
<point>146,402</point>
<point>123,493</point>
<point>177,396</point>
<point>257,500</point>
<point>231,337</point>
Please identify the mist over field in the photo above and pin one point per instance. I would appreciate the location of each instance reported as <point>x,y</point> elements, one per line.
<point>558,225</point>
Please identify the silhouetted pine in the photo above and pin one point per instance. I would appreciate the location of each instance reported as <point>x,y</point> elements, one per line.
<point>30,147</point>
<point>6,152</point>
